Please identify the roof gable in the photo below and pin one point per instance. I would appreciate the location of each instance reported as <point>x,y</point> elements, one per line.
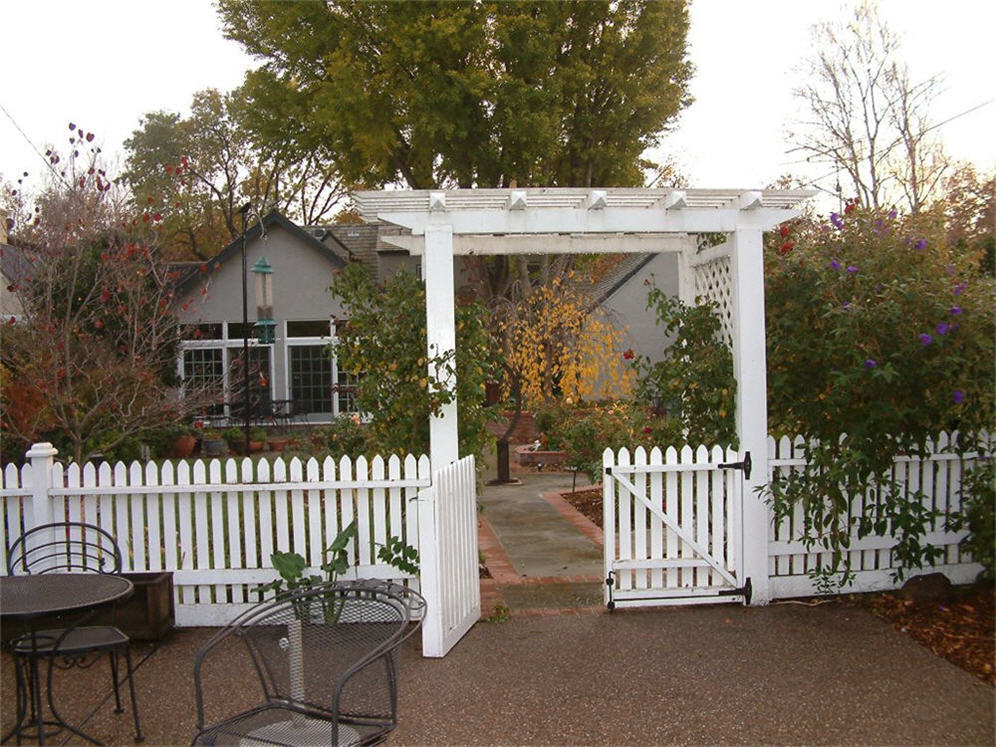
<point>273,218</point>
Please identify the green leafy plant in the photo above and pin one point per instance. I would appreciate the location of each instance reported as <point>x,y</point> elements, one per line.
<point>384,346</point>
<point>399,554</point>
<point>692,385</point>
<point>291,567</point>
<point>978,502</point>
<point>879,336</point>
<point>234,436</point>
<point>347,436</point>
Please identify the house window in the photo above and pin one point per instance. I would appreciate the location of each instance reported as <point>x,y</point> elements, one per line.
<point>203,377</point>
<point>311,378</point>
<point>259,380</point>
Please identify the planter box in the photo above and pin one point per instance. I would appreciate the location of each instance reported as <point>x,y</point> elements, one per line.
<point>525,456</point>
<point>146,615</point>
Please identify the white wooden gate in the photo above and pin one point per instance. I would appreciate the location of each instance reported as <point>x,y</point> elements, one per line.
<point>673,528</point>
<point>448,562</point>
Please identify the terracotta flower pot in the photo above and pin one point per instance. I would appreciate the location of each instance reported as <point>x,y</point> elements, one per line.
<point>277,444</point>
<point>184,445</point>
<point>256,445</point>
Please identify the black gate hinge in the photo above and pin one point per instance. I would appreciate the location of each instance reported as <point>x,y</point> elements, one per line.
<point>745,465</point>
<point>746,591</point>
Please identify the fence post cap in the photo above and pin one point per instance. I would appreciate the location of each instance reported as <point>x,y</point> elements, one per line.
<point>41,450</point>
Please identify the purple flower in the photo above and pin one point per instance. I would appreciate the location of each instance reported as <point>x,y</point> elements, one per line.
<point>837,221</point>
<point>943,328</point>
<point>958,396</point>
<point>958,289</point>
<point>955,310</point>
<point>835,264</point>
<point>892,214</point>
<point>920,244</point>
<point>871,363</point>
<point>852,269</point>
<point>924,338</point>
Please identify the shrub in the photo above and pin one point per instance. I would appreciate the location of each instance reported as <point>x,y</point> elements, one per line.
<point>692,385</point>
<point>347,437</point>
<point>587,432</point>
<point>879,336</point>
<point>978,501</point>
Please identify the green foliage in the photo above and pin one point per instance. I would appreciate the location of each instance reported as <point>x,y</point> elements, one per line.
<point>470,93</point>
<point>291,567</point>
<point>693,384</point>
<point>585,432</point>
<point>346,436</point>
<point>234,436</point>
<point>978,502</point>
<point>191,174</point>
<point>399,554</point>
<point>879,336</point>
<point>384,344</point>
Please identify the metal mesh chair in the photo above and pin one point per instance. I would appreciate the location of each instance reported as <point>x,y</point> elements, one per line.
<point>71,547</point>
<point>323,666</point>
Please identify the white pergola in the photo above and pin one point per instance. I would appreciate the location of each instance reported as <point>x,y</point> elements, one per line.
<point>444,223</point>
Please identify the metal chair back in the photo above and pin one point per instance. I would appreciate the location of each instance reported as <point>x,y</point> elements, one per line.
<point>71,546</point>
<point>326,660</point>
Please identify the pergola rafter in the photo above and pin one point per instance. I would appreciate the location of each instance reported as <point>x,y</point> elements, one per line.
<point>444,223</point>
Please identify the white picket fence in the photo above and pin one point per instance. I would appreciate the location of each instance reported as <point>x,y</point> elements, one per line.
<point>672,526</point>
<point>449,556</point>
<point>215,523</point>
<point>937,474</point>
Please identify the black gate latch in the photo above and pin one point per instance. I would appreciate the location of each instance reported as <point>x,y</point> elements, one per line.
<point>744,465</point>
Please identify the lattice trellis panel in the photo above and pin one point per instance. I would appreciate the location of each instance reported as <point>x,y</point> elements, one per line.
<point>714,282</point>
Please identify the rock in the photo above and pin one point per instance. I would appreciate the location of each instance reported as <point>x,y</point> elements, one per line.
<point>930,588</point>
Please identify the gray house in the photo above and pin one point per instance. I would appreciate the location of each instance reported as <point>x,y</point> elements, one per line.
<point>298,371</point>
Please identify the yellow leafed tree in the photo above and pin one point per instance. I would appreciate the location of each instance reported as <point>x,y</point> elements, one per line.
<point>559,345</point>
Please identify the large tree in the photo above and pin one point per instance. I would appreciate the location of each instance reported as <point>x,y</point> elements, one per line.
<point>197,171</point>
<point>471,93</point>
<point>91,361</point>
<point>867,117</point>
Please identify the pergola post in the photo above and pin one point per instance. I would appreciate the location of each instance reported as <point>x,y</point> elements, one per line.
<point>750,369</point>
<point>440,327</point>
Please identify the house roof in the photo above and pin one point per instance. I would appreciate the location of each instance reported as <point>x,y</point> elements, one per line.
<point>620,275</point>
<point>15,264</point>
<point>273,218</point>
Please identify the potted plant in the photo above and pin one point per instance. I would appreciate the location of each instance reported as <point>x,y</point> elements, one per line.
<point>212,444</point>
<point>184,442</point>
<point>277,442</point>
<point>236,439</point>
<point>257,438</point>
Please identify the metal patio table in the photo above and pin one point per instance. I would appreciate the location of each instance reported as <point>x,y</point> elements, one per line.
<point>29,598</point>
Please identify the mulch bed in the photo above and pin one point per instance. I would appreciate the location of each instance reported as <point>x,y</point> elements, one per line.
<point>961,630</point>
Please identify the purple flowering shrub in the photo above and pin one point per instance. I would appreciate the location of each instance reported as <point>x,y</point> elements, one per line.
<point>879,335</point>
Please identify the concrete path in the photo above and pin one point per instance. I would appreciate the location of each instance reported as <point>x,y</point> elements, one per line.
<point>537,538</point>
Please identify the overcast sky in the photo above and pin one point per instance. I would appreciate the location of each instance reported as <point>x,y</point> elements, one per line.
<point>104,63</point>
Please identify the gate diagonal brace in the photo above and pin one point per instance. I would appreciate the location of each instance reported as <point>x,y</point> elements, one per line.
<point>678,530</point>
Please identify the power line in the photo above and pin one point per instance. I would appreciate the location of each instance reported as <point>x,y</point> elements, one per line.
<point>895,142</point>
<point>46,161</point>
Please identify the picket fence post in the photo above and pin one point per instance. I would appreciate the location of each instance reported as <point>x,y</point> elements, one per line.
<point>42,457</point>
